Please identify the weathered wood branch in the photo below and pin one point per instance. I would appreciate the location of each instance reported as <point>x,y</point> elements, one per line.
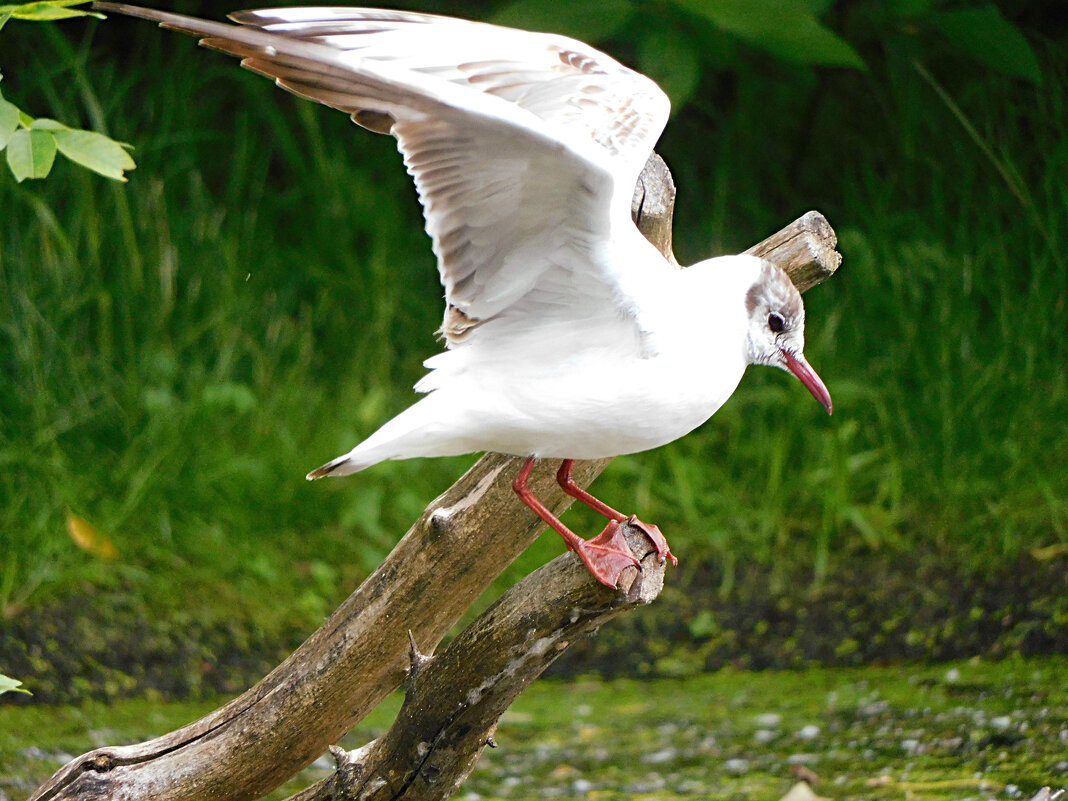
<point>805,249</point>
<point>453,701</point>
<point>460,544</point>
<point>653,205</point>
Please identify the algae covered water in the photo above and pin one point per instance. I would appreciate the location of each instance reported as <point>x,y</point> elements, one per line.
<point>963,730</point>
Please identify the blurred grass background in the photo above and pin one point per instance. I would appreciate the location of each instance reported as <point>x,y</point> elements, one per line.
<point>177,352</point>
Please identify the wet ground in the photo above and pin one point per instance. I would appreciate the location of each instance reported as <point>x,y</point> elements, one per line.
<point>961,730</point>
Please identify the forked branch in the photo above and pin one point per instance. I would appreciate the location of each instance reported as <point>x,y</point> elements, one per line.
<point>453,701</point>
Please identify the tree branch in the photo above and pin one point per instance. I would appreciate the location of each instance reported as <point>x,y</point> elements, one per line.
<point>805,249</point>
<point>453,701</point>
<point>460,544</point>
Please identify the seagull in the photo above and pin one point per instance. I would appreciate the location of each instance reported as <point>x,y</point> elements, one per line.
<point>567,334</point>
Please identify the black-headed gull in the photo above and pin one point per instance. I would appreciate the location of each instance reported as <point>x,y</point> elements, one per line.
<point>568,335</point>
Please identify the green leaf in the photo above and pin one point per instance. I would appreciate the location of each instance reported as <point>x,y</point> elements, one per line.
<point>45,124</point>
<point>30,154</point>
<point>990,39</point>
<point>4,17</point>
<point>9,121</point>
<point>30,8</point>
<point>587,20</point>
<point>788,29</point>
<point>8,685</point>
<point>95,152</point>
<point>669,57</point>
<point>46,10</point>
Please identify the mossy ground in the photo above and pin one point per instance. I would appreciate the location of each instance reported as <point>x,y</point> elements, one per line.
<point>109,643</point>
<point>973,729</point>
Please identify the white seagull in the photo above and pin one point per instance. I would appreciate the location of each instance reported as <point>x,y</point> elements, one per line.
<point>567,334</point>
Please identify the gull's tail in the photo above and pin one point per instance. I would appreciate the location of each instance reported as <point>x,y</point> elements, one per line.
<point>341,466</point>
<point>420,430</point>
<point>369,452</point>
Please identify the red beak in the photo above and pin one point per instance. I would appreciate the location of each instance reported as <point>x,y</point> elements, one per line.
<point>799,367</point>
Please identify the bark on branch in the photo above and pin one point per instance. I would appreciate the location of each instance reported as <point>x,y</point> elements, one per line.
<point>463,540</point>
<point>453,701</point>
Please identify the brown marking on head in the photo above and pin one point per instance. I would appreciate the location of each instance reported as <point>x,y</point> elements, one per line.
<point>774,291</point>
<point>752,299</point>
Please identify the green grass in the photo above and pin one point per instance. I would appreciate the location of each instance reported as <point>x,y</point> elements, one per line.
<point>960,730</point>
<point>179,351</point>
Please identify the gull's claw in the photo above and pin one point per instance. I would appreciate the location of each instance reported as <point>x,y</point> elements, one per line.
<point>663,551</point>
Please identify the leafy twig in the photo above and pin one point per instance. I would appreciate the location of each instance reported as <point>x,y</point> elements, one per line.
<point>32,143</point>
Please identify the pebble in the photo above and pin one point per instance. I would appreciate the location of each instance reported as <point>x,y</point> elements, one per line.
<point>874,708</point>
<point>768,720</point>
<point>658,757</point>
<point>762,736</point>
<point>650,785</point>
<point>691,787</point>
<point>910,746</point>
<point>736,765</point>
<point>581,786</point>
<point>809,732</point>
<point>599,754</point>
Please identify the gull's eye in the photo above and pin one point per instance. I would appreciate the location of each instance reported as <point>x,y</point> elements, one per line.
<point>776,323</point>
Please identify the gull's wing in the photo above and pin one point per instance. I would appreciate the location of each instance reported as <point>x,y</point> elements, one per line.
<point>524,147</point>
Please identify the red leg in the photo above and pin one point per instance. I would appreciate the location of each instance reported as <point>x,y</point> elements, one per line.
<point>605,556</point>
<point>564,479</point>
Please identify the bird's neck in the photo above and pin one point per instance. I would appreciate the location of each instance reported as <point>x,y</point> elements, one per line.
<point>704,306</point>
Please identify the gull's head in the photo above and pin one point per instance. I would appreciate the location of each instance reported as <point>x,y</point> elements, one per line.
<point>776,329</point>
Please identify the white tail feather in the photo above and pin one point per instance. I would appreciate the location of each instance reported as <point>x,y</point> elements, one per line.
<point>417,431</point>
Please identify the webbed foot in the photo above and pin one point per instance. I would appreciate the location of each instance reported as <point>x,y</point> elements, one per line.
<point>607,554</point>
<point>663,551</point>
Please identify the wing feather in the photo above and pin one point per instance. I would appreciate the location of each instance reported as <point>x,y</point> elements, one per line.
<point>524,147</point>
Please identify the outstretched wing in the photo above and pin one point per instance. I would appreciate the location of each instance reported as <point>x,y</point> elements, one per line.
<point>524,147</point>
